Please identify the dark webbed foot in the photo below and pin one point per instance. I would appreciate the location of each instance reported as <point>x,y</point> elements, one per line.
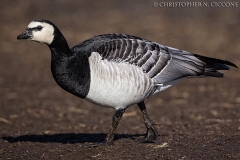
<point>152,133</point>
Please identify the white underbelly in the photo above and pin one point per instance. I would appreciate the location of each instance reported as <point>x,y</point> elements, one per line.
<point>117,85</point>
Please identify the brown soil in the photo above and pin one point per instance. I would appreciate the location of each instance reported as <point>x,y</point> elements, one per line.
<point>196,119</point>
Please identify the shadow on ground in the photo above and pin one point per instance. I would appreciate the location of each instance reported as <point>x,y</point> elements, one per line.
<point>65,138</point>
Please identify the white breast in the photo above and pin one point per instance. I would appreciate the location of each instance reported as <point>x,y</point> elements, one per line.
<point>117,85</point>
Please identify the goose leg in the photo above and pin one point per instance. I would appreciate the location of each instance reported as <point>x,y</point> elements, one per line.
<point>152,133</point>
<point>110,136</point>
<point>115,121</point>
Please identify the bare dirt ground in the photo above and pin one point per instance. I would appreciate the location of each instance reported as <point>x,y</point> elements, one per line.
<point>196,119</point>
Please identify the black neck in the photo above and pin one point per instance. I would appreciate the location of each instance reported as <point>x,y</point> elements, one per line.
<point>59,47</point>
<point>70,70</point>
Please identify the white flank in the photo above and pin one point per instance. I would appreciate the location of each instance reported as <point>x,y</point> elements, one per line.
<point>43,36</point>
<point>117,85</point>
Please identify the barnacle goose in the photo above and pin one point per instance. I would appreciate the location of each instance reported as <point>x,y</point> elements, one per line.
<point>118,70</point>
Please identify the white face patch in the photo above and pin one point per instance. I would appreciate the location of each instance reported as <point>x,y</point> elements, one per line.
<point>45,35</point>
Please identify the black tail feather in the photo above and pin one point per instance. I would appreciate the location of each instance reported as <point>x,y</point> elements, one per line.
<point>213,65</point>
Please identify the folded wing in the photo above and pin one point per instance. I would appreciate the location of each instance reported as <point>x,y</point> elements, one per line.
<point>161,63</point>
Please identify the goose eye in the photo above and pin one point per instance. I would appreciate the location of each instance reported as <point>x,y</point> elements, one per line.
<point>39,28</point>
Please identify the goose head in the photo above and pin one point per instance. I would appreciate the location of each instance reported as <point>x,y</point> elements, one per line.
<point>41,31</point>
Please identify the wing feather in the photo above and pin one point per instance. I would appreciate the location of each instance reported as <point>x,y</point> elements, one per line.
<point>164,64</point>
